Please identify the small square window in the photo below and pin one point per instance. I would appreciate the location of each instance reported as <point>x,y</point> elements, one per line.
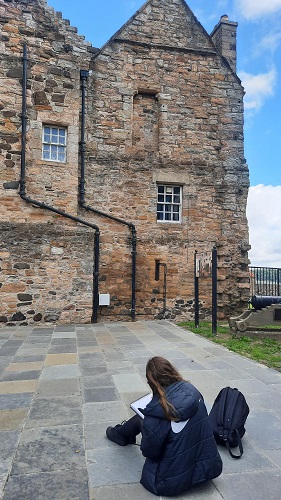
<point>54,144</point>
<point>169,203</point>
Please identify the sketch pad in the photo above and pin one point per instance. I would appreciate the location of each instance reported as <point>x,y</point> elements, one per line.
<point>140,404</point>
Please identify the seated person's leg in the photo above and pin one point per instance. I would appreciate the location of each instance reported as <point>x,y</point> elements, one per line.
<point>126,432</point>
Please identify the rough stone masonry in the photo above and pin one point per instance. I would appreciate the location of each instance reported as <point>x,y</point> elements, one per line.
<point>159,136</point>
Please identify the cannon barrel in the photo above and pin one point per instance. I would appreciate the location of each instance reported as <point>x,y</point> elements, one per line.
<point>261,301</point>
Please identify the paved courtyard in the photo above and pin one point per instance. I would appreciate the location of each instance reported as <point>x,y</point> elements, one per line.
<point>61,386</point>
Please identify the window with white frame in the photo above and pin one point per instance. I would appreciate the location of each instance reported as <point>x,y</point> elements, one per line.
<point>169,203</point>
<point>54,143</point>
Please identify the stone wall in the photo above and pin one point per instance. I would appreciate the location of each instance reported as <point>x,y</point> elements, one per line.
<point>47,273</point>
<point>170,110</point>
<point>162,106</point>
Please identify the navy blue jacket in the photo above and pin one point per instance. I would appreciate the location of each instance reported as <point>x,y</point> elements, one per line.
<point>178,454</point>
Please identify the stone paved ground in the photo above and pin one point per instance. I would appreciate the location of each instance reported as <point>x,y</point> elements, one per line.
<point>60,387</point>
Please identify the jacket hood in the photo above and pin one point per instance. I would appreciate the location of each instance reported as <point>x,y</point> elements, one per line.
<point>182,395</point>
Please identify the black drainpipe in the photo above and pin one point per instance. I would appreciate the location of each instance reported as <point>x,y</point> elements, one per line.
<point>22,193</point>
<point>84,75</point>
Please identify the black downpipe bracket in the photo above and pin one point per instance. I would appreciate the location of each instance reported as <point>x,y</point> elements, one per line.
<point>84,75</point>
<point>39,204</point>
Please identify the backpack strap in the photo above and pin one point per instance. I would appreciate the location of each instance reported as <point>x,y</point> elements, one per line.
<point>230,411</point>
<point>220,415</point>
<point>239,444</point>
<point>235,396</point>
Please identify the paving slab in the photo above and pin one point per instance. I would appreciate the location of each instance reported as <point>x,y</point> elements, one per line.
<point>13,401</point>
<point>4,365</point>
<point>201,492</point>
<point>20,375</point>
<point>51,388</point>
<point>59,371</point>
<point>129,382</point>
<point>26,366</point>
<point>264,374</point>
<point>103,412</point>
<point>203,379</point>
<point>99,380</point>
<point>12,419</point>
<point>121,491</point>
<point>108,466</point>
<point>88,349</point>
<point>28,351</point>
<point>81,341</point>
<point>9,442</point>
<point>277,387</point>
<point>62,348</point>
<point>52,427</point>
<point>18,386</point>
<point>64,328</point>
<point>46,449</point>
<point>264,429</point>
<point>256,485</point>
<point>13,342</point>
<point>274,456</point>
<point>54,411</point>
<point>270,399</point>
<point>61,485</point>
<point>255,459</point>
<point>64,334</point>
<point>29,358</point>
<point>61,359</point>
<point>8,351</point>
<point>95,435</point>
<point>115,367</point>
<point>62,341</point>
<point>100,394</point>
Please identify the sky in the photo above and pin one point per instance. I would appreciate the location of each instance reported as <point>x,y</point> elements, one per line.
<point>258,67</point>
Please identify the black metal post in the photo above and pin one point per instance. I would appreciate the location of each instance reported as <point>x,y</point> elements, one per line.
<point>214,289</point>
<point>196,291</point>
<point>134,266</point>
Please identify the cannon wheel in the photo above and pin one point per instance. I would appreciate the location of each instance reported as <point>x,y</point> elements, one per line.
<point>241,326</point>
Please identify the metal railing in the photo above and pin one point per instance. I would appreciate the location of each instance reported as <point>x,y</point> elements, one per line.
<point>265,281</point>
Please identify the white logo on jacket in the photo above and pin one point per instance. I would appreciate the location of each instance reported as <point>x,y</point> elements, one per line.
<point>179,426</point>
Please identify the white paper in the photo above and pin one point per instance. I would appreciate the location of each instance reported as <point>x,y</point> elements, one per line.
<point>140,404</point>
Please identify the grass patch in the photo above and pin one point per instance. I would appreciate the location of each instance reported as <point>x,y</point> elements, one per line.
<point>266,351</point>
<point>269,327</point>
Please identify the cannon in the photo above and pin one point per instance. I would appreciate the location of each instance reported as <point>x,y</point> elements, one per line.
<point>260,301</point>
<point>266,311</point>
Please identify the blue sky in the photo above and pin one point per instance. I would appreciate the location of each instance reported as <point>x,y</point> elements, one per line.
<point>258,66</point>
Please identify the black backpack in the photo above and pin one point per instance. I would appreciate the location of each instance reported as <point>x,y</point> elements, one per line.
<point>227,417</point>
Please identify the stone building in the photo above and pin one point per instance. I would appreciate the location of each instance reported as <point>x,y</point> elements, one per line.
<point>117,164</point>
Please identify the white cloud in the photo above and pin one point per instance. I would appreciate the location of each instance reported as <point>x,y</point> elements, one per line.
<point>270,42</point>
<point>258,88</point>
<point>264,217</point>
<point>254,9</point>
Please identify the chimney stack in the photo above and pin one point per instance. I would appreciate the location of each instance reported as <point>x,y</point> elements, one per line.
<point>224,38</point>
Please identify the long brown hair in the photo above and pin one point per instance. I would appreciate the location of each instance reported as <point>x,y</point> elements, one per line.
<point>160,373</point>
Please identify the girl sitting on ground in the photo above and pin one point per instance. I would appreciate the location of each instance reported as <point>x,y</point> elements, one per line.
<point>177,439</point>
